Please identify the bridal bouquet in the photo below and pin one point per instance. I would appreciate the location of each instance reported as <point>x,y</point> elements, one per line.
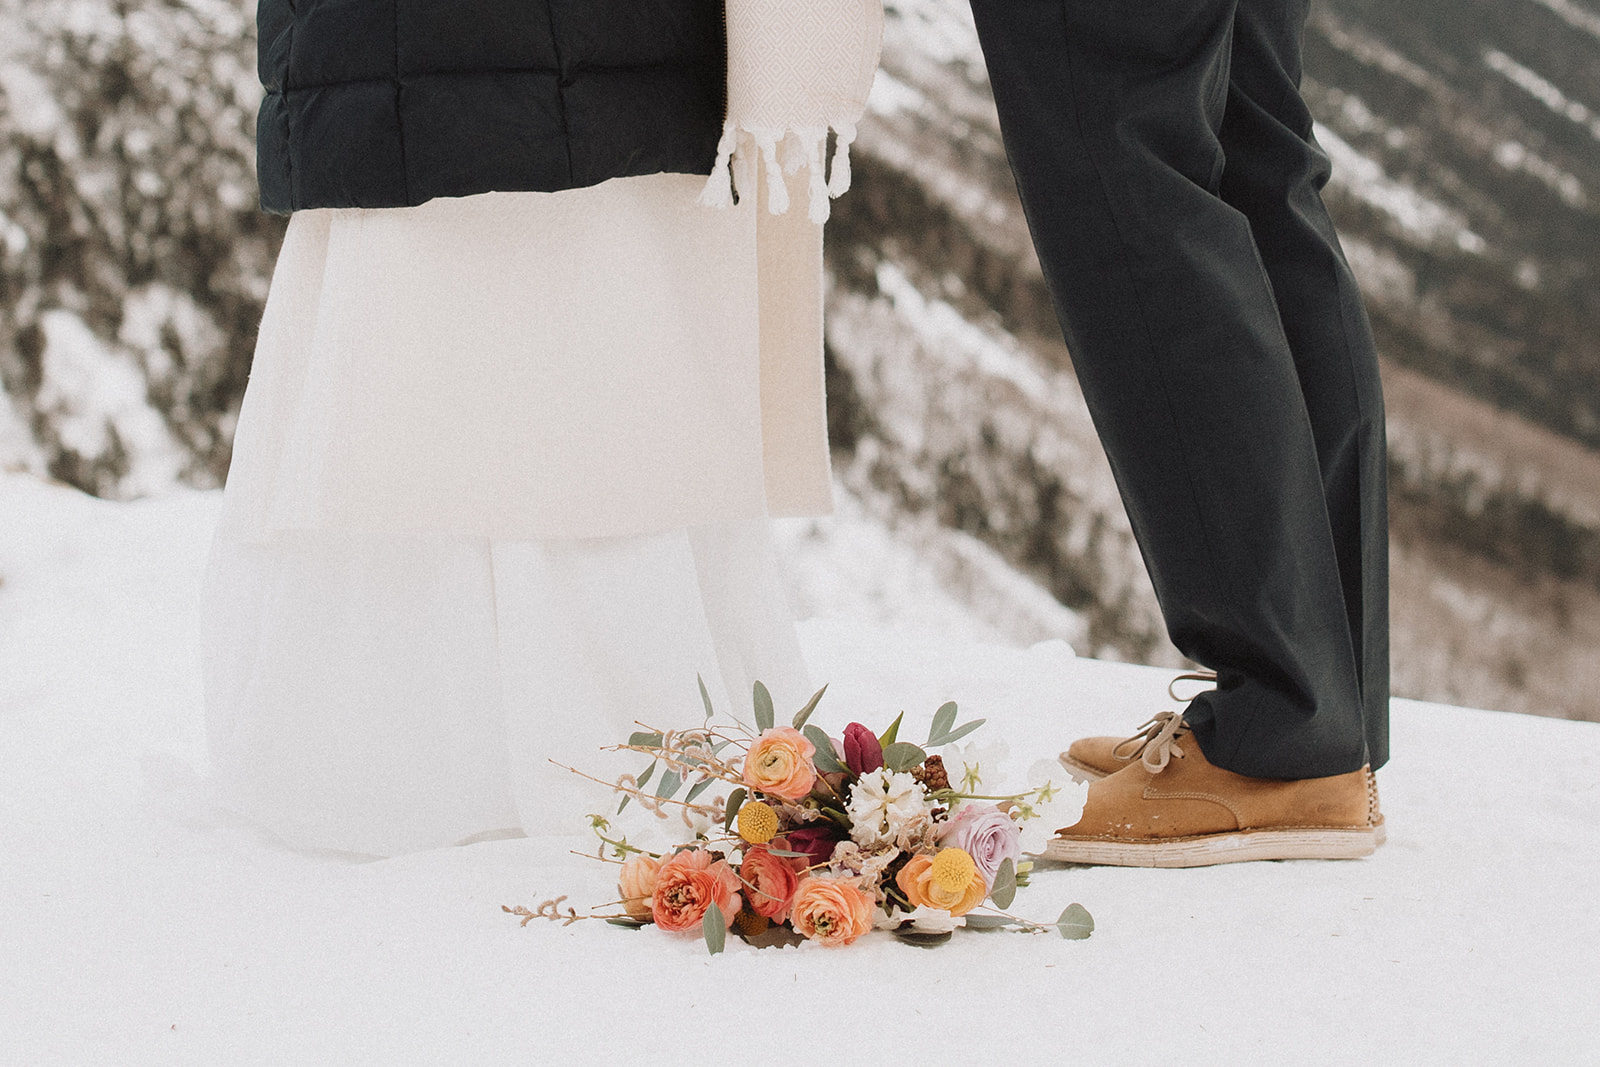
<point>797,835</point>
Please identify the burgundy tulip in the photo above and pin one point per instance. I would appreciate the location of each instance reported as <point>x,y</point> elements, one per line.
<point>815,840</point>
<point>862,753</point>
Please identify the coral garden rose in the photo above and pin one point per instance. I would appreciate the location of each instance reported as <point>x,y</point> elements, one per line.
<point>690,882</point>
<point>862,752</point>
<point>916,880</point>
<point>779,763</point>
<point>637,884</point>
<point>985,833</point>
<point>770,881</point>
<point>831,911</point>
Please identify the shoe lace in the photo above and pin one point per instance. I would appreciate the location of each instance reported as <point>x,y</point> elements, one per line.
<point>1193,676</point>
<point>1156,742</point>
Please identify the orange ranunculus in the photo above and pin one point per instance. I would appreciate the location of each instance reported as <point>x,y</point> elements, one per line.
<point>779,763</point>
<point>637,884</point>
<point>920,887</point>
<point>770,881</point>
<point>690,882</point>
<point>832,911</point>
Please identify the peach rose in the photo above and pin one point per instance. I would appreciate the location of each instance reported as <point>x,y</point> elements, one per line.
<point>917,882</point>
<point>690,882</point>
<point>831,911</point>
<point>770,881</point>
<point>637,884</point>
<point>779,763</point>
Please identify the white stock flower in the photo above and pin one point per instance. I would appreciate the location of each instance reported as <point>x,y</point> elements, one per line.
<point>884,805</point>
<point>934,920</point>
<point>1056,803</point>
<point>975,767</point>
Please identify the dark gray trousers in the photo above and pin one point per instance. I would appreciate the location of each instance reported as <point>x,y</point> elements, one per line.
<point>1167,168</point>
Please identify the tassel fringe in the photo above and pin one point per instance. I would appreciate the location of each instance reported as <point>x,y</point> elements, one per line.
<point>718,192</point>
<point>801,148</point>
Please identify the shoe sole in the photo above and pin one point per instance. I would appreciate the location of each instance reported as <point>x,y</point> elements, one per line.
<point>1212,849</point>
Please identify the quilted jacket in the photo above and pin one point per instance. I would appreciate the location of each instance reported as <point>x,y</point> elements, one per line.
<point>390,103</point>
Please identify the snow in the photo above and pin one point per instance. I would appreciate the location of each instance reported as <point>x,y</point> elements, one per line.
<point>1418,216</point>
<point>1543,90</point>
<point>143,927</point>
<point>1574,15</point>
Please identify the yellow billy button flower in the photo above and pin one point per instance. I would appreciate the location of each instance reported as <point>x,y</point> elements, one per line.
<point>758,823</point>
<point>952,869</point>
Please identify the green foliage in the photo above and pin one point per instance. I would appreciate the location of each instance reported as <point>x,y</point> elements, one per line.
<point>944,730</point>
<point>715,929</point>
<point>825,759</point>
<point>801,716</point>
<point>668,785</point>
<point>765,716</point>
<point>902,756</point>
<point>923,938</point>
<point>705,697</point>
<point>644,739</point>
<point>888,737</point>
<point>735,802</point>
<point>1075,923</point>
<point>1005,885</point>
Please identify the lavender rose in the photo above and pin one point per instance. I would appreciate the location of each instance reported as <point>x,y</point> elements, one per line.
<point>986,833</point>
<point>862,752</point>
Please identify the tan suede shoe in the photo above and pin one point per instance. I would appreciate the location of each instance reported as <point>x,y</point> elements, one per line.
<point>1089,759</point>
<point>1174,808</point>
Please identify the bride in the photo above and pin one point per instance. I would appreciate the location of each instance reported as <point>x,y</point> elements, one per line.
<point>521,408</point>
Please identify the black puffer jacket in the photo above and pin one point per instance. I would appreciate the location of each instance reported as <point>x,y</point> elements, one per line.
<point>389,103</point>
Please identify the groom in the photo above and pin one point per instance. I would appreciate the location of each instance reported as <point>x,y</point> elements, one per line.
<point>1167,168</point>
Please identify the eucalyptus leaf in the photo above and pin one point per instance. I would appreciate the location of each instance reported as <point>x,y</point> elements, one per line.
<point>1005,884</point>
<point>765,716</point>
<point>923,938</point>
<point>627,924</point>
<point>735,802</point>
<point>888,736</point>
<point>902,756</point>
<point>957,734</point>
<point>787,853</point>
<point>698,788</point>
<point>705,697</point>
<point>644,739</point>
<point>825,759</point>
<point>625,799</point>
<point>985,923</point>
<point>1075,923</point>
<point>645,777</point>
<point>943,719</point>
<point>668,785</point>
<point>715,929</point>
<point>804,713</point>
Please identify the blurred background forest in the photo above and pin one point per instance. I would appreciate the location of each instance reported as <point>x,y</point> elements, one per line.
<point>1465,138</point>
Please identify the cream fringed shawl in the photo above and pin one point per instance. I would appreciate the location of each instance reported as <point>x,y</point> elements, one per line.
<point>796,70</point>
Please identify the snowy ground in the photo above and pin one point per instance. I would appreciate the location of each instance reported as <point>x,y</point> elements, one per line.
<point>136,926</point>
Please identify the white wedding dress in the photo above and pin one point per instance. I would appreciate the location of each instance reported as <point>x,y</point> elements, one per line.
<point>497,494</point>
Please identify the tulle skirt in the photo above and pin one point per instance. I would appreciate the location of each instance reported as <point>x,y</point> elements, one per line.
<point>496,498</point>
